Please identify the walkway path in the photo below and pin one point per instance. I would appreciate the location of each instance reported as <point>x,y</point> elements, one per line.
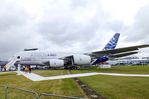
<point>35,77</point>
<point>32,76</point>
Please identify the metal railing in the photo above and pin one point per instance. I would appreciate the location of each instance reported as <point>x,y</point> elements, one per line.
<point>7,92</point>
<point>60,96</point>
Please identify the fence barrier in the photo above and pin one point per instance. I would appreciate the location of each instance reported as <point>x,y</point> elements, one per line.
<point>6,93</point>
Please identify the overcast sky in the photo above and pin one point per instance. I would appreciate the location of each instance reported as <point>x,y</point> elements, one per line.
<point>71,25</point>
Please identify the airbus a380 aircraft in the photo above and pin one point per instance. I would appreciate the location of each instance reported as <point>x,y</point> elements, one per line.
<point>37,57</point>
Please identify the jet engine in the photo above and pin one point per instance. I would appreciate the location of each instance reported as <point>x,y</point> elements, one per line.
<point>81,59</point>
<point>55,63</point>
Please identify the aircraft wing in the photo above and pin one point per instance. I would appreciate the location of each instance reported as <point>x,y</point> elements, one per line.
<point>118,52</point>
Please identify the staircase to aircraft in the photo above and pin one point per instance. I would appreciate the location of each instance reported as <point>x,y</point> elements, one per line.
<point>11,62</point>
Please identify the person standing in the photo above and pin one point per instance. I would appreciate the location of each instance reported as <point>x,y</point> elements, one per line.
<point>30,69</point>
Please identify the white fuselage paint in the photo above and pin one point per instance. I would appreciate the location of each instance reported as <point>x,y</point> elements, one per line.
<point>39,56</point>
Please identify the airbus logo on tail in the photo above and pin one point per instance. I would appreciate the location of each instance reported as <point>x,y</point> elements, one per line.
<point>113,42</point>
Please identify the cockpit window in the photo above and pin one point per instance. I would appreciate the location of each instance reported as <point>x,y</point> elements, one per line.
<point>18,57</point>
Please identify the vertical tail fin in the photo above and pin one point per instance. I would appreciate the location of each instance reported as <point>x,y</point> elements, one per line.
<point>113,42</point>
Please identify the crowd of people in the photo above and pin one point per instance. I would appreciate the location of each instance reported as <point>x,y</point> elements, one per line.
<point>27,69</point>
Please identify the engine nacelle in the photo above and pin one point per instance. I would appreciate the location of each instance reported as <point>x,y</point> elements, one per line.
<point>81,59</point>
<point>56,63</point>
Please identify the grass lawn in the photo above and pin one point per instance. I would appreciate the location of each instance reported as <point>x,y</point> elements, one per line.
<point>138,69</point>
<point>114,87</point>
<point>50,72</point>
<point>119,87</point>
<point>61,87</point>
<point>111,87</point>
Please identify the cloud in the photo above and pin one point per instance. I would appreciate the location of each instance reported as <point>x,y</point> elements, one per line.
<point>138,32</point>
<point>68,25</point>
<point>13,23</point>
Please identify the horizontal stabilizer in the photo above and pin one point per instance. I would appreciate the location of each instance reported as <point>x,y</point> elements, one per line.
<point>122,54</point>
<point>32,49</point>
<point>117,50</point>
